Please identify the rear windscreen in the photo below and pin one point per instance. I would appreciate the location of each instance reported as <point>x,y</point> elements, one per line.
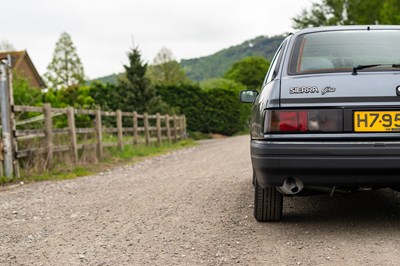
<point>340,51</point>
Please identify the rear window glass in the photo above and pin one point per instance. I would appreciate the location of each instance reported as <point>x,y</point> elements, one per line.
<point>340,51</point>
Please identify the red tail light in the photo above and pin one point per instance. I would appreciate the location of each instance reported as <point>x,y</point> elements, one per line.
<point>299,121</point>
<point>291,121</point>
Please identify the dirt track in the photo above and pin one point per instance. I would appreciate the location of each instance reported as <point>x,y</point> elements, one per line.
<point>191,207</point>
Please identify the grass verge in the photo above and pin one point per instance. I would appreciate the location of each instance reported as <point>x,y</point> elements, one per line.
<point>196,135</point>
<point>113,158</point>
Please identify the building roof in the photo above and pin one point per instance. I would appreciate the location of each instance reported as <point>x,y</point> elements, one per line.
<point>22,64</point>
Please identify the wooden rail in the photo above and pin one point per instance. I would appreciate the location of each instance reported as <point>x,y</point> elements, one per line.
<point>154,128</point>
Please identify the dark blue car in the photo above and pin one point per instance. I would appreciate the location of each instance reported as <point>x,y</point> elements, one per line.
<point>328,115</point>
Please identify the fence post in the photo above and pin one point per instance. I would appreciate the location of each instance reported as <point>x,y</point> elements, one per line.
<point>99,135</point>
<point>119,130</point>
<point>72,134</point>
<point>158,124</point>
<point>146,128</point>
<point>1,158</point>
<point>181,127</point>
<point>5,122</point>
<point>135,128</point>
<point>178,127</point>
<point>48,133</point>
<point>184,127</point>
<point>175,129</point>
<point>168,126</point>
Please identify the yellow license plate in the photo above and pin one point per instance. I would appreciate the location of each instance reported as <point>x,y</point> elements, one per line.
<point>380,121</point>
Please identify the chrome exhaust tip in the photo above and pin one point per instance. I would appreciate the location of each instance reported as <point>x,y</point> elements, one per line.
<point>291,186</point>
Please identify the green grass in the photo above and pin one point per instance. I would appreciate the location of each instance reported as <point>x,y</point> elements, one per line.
<point>113,158</point>
<point>59,174</point>
<point>142,150</point>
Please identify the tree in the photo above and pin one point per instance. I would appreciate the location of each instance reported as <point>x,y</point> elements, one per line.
<point>390,12</point>
<point>24,94</point>
<point>134,92</point>
<point>105,95</point>
<point>249,71</point>
<point>65,69</point>
<point>349,12</point>
<point>76,96</point>
<point>166,70</point>
<point>6,46</point>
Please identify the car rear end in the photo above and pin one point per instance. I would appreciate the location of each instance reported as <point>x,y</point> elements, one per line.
<point>338,118</point>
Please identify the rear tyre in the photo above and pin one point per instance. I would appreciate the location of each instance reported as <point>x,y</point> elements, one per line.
<point>268,203</point>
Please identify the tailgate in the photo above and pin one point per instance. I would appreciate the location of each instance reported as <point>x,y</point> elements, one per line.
<point>340,90</point>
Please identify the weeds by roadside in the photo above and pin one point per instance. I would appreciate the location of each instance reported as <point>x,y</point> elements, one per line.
<point>196,135</point>
<point>112,158</point>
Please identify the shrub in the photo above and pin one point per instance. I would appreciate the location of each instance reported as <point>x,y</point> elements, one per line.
<point>212,108</point>
<point>187,99</point>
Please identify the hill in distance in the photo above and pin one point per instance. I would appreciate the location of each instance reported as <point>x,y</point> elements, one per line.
<point>112,79</point>
<point>215,65</point>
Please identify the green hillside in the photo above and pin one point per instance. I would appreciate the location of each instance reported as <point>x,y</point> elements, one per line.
<point>216,65</point>
<point>112,79</point>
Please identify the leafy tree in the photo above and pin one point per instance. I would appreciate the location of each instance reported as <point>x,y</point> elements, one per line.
<point>211,84</point>
<point>24,94</point>
<point>78,97</point>
<point>52,97</point>
<point>165,69</point>
<point>104,95</point>
<point>65,69</point>
<point>349,12</point>
<point>134,92</point>
<point>390,12</point>
<point>75,96</point>
<point>249,71</point>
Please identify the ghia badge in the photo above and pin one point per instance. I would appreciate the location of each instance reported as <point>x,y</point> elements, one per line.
<point>328,89</point>
<point>310,89</point>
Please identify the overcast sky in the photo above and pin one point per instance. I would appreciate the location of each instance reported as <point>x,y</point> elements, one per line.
<point>103,30</point>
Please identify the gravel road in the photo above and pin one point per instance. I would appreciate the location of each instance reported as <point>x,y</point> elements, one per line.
<point>191,207</point>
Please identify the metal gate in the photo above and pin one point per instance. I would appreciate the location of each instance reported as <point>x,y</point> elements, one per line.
<point>9,164</point>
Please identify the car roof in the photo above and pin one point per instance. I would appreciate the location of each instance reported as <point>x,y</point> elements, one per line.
<point>346,28</point>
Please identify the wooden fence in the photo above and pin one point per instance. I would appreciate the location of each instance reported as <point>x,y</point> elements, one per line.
<point>131,129</point>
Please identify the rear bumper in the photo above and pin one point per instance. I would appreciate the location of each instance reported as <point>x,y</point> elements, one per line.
<point>327,163</point>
